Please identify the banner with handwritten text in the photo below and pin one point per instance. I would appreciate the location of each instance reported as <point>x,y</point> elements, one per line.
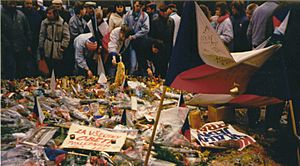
<point>90,138</point>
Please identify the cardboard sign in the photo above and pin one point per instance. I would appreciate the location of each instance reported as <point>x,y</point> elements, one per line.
<point>211,134</point>
<point>89,138</point>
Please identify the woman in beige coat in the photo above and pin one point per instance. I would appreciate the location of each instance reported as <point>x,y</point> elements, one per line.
<point>115,19</point>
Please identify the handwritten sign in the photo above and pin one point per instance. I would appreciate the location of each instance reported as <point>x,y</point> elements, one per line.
<point>210,47</point>
<point>89,138</point>
<point>213,52</point>
<point>212,133</point>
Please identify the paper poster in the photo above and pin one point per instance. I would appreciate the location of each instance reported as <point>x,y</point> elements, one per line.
<point>90,138</point>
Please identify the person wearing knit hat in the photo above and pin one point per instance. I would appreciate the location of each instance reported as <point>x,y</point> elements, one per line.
<point>172,12</point>
<point>91,44</point>
<point>87,52</point>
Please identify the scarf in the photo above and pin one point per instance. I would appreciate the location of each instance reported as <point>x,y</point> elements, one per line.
<point>222,18</point>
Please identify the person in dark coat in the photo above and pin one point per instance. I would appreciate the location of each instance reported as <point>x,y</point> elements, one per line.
<point>291,57</point>
<point>163,30</point>
<point>153,14</point>
<point>76,25</point>
<point>279,76</point>
<point>282,78</point>
<point>152,50</point>
<point>240,24</point>
<point>16,41</point>
<point>35,20</point>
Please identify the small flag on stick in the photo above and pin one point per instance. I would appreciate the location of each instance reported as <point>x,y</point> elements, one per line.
<point>37,110</point>
<point>185,130</point>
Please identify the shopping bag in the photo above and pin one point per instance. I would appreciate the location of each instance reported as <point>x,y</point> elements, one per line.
<point>43,67</point>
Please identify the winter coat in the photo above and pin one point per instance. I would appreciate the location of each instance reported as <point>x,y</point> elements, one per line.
<point>15,32</point>
<point>115,20</point>
<point>76,25</point>
<point>256,31</point>
<point>115,44</point>
<point>163,29</point>
<point>81,52</point>
<point>139,23</point>
<point>225,31</point>
<point>54,35</point>
<point>240,25</point>
<point>34,20</point>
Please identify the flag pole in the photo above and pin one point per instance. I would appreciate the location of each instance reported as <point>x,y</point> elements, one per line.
<point>155,125</point>
<point>295,129</point>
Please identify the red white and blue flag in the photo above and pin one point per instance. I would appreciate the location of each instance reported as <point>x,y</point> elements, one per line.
<point>185,129</point>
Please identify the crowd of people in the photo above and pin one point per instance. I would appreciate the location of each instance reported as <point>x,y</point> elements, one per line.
<point>143,38</point>
<point>73,43</point>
